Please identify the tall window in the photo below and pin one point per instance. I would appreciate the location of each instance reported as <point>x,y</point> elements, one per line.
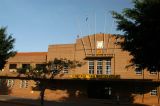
<point>91,66</point>
<point>23,84</point>
<point>99,66</point>
<point>10,83</point>
<point>108,66</point>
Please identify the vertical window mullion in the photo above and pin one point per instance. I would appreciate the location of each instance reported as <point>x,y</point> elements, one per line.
<point>99,66</point>
<point>10,83</point>
<point>23,84</point>
<point>91,66</point>
<point>108,66</point>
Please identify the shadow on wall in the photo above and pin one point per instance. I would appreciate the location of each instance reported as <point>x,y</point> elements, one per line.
<point>109,91</point>
<point>119,92</point>
<point>32,102</point>
<point>4,87</point>
<point>62,90</point>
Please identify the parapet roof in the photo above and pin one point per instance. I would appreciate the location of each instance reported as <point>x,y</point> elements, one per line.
<point>31,53</point>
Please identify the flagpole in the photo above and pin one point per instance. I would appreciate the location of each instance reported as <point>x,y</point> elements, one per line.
<point>112,27</point>
<point>79,27</point>
<point>95,40</point>
<point>105,23</point>
<point>89,31</point>
<point>95,22</point>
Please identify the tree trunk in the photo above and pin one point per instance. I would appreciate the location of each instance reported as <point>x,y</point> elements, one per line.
<point>42,92</point>
<point>42,96</point>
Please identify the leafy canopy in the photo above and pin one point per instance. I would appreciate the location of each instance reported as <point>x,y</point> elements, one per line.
<point>42,73</point>
<point>141,26</point>
<point>50,69</point>
<point>6,47</point>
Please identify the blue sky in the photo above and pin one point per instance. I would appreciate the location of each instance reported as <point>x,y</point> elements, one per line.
<point>35,24</point>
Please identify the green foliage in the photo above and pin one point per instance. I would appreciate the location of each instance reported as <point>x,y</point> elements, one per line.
<point>58,65</point>
<point>41,73</point>
<point>141,26</point>
<point>6,47</point>
<point>48,70</point>
<point>25,70</point>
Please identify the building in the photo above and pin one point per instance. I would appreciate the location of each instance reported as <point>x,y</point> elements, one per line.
<point>104,73</point>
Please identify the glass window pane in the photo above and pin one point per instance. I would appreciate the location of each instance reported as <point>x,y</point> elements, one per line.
<point>108,66</point>
<point>12,66</point>
<point>99,66</point>
<point>91,66</point>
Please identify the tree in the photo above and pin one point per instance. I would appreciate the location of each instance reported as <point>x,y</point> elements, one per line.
<point>43,73</point>
<point>6,47</point>
<point>141,26</point>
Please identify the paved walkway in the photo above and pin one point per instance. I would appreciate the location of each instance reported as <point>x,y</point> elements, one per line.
<point>5,103</point>
<point>16,101</point>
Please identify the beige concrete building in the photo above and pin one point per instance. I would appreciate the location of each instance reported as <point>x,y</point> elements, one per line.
<point>104,73</point>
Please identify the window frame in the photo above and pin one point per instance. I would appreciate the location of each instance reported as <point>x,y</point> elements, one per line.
<point>108,66</point>
<point>10,83</point>
<point>12,66</point>
<point>23,84</point>
<point>99,66</point>
<point>91,70</point>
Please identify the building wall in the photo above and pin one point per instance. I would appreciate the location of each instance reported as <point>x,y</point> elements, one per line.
<point>83,50</point>
<point>93,47</point>
<point>61,51</point>
<point>86,49</point>
<point>31,58</point>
